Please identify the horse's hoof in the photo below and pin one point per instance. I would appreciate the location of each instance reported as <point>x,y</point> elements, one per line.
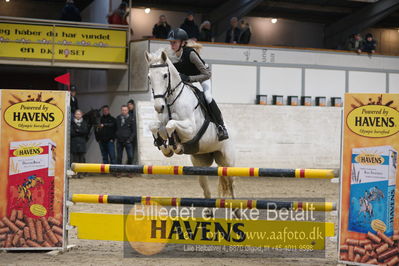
<point>179,150</point>
<point>170,154</point>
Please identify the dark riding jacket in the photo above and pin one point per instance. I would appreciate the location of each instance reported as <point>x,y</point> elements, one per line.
<point>106,133</point>
<point>79,134</point>
<point>192,65</point>
<point>125,132</point>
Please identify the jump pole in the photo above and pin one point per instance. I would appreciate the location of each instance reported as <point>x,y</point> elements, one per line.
<point>208,171</point>
<point>203,203</point>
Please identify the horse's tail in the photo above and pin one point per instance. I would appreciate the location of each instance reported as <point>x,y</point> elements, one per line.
<point>226,186</point>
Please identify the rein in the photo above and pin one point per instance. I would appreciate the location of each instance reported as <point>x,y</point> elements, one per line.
<point>169,91</point>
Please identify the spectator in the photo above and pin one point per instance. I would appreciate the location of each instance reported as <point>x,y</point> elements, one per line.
<point>119,16</point>
<point>79,135</point>
<point>105,135</point>
<point>70,12</point>
<point>132,112</point>
<point>369,45</point>
<point>74,101</point>
<point>161,29</point>
<point>125,134</point>
<point>205,32</point>
<point>355,43</point>
<point>233,32</point>
<point>245,33</point>
<point>190,27</point>
<point>130,106</point>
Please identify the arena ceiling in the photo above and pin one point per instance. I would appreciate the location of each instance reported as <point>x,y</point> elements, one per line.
<point>318,11</point>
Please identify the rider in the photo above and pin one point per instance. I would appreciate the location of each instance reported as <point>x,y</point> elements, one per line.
<point>192,68</point>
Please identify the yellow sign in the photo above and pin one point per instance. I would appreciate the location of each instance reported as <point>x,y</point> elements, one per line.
<point>34,156</point>
<point>27,151</point>
<point>373,121</point>
<point>369,159</point>
<point>62,43</point>
<point>33,116</point>
<point>202,231</point>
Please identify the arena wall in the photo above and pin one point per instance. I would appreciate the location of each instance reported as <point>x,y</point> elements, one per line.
<point>264,136</point>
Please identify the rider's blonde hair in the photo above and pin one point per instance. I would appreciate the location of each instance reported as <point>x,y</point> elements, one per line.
<point>193,44</point>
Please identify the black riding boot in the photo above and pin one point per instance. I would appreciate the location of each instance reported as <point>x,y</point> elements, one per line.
<point>218,119</point>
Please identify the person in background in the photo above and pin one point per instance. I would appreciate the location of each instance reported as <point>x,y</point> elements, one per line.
<point>205,32</point>
<point>245,33</point>
<point>70,12</point>
<point>79,135</point>
<point>233,32</point>
<point>74,101</point>
<point>131,106</point>
<point>190,27</point>
<point>105,135</point>
<point>132,112</point>
<point>119,16</point>
<point>161,29</point>
<point>125,134</point>
<point>369,45</point>
<point>354,43</point>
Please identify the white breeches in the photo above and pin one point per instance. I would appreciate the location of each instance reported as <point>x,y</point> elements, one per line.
<point>206,87</point>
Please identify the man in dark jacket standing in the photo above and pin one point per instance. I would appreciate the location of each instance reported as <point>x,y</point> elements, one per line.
<point>233,33</point>
<point>131,106</point>
<point>190,27</point>
<point>74,101</point>
<point>369,45</point>
<point>105,135</point>
<point>125,134</point>
<point>70,12</point>
<point>245,33</point>
<point>161,29</point>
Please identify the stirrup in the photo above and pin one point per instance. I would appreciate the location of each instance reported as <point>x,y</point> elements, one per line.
<point>222,133</point>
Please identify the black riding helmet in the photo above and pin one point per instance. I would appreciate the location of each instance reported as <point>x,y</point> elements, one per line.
<point>177,34</point>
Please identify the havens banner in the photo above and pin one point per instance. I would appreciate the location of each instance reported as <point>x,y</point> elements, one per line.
<point>369,223</point>
<point>62,43</point>
<point>33,161</point>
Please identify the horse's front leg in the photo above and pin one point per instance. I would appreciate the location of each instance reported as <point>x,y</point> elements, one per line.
<point>185,130</point>
<point>160,136</point>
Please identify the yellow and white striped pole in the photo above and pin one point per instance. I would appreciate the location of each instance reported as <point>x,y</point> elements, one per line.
<point>209,171</point>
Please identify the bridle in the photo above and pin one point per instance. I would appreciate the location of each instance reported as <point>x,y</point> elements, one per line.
<point>169,90</point>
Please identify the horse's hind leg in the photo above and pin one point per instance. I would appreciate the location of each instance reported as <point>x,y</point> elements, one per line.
<point>226,158</point>
<point>204,160</point>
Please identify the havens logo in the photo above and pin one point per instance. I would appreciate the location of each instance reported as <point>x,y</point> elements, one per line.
<point>369,159</point>
<point>27,151</point>
<point>33,116</point>
<point>373,121</point>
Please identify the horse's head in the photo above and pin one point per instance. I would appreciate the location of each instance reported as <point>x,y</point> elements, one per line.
<point>93,117</point>
<point>163,78</point>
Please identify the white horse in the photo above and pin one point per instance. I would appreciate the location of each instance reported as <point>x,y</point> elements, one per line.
<point>179,114</point>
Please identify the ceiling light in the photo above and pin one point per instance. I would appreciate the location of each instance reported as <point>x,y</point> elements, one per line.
<point>147,10</point>
<point>7,1</point>
<point>274,20</point>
